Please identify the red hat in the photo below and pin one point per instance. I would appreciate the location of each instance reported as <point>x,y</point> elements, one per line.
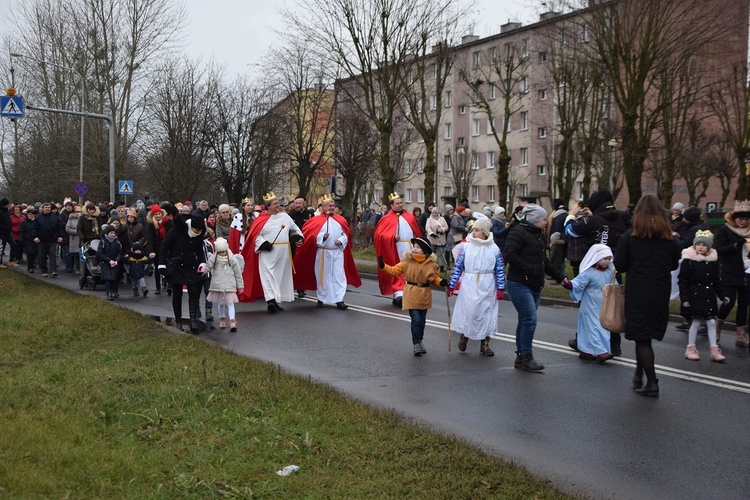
<point>155,209</point>
<point>188,203</point>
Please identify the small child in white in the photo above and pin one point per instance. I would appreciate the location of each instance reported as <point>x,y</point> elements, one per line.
<point>226,282</point>
<point>596,272</point>
<point>699,286</point>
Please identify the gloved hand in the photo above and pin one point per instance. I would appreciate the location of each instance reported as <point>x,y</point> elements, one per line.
<point>567,284</point>
<point>163,270</point>
<point>266,246</point>
<point>381,262</point>
<point>443,282</point>
<point>686,304</point>
<point>450,292</point>
<point>726,300</point>
<point>499,295</point>
<point>433,235</point>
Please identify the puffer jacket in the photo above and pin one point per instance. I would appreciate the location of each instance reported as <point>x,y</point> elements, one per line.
<point>225,277</point>
<point>526,257</point>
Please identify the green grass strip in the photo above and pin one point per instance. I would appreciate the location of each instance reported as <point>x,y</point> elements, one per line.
<point>98,401</point>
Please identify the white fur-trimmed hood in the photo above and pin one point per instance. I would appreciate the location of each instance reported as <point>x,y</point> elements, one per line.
<point>690,254</point>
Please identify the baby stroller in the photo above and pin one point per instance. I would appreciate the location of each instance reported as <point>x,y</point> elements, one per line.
<point>91,273</point>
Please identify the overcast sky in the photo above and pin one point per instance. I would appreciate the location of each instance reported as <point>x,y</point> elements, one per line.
<point>237,33</point>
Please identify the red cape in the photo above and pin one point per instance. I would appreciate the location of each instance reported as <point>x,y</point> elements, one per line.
<point>251,274</point>
<point>385,246</point>
<point>304,258</point>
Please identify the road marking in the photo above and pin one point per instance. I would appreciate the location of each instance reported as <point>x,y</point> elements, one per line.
<point>732,385</point>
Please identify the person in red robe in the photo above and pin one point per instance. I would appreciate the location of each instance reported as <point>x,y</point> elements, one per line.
<point>325,262</point>
<point>392,238</point>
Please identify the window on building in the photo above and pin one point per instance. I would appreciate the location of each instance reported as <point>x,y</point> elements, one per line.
<point>420,165</point>
<point>410,77</point>
<point>461,141</point>
<point>477,58</point>
<point>434,71</point>
<point>475,161</point>
<point>523,85</point>
<point>584,33</point>
<point>475,193</point>
<point>408,166</point>
<point>493,91</point>
<point>475,127</point>
<point>448,191</point>
<point>508,51</point>
<point>448,99</point>
<point>448,163</point>
<point>462,110</point>
<point>542,57</point>
<point>524,189</point>
<point>490,159</point>
<point>524,156</point>
<point>524,120</point>
<point>420,195</point>
<point>493,54</point>
<point>408,195</point>
<point>490,193</point>
<point>541,170</point>
<point>433,102</point>
<point>448,131</point>
<point>542,132</point>
<point>525,48</point>
<point>542,94</point>
<point>490,125</point>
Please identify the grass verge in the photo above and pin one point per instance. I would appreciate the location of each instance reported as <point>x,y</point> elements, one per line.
<point>97,401</point>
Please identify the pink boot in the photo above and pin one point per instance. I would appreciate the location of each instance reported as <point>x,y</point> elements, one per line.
<point>691,353</point>
<point>222,322</point>
<point>716,354</point>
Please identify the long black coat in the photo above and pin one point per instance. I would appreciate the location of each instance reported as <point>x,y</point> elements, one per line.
<point>648,263</point>
<point>109,250</point>
<point>728,245</point>
<point>699,284</point>
<point>188,253</point>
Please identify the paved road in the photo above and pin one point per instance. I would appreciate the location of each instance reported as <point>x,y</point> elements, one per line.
<point>576,423</point>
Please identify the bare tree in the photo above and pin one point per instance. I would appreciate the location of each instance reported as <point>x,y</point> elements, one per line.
<point>506,75</point>
<point>373,43</point>
<point>464,166</point>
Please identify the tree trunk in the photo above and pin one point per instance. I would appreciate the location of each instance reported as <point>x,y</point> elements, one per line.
<point>503,168</point>
<point>429,172</point>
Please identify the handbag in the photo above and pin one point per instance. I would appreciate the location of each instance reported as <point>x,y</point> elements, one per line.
<point>612,315</point>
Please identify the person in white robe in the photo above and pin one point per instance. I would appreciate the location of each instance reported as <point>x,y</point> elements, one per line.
<point>329,260</point>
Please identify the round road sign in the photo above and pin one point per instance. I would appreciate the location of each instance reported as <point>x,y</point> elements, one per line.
<point>81,188</point>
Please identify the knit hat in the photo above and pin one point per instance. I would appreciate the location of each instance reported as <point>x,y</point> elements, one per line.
<point>197,222</point>
<point>678,206</point>
<point>706,237</point>
<point>557,203</point>
<point>113,215</point>
<point>498,211</point>
<point>423,244</point>
<point>692,214</point>
<point>103,208</point>
<point>221,245</point>
<point>448,207</point>
<point>598,199</point>
<point>107,228</point>
<point>137,247</point>
<point>483,225</point>
<point>742,209</point>
<point>4,202</point>
<point>534,213</point>
<point>155,209</point>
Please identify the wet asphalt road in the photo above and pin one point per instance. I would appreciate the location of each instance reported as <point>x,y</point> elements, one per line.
<point>576,423</point>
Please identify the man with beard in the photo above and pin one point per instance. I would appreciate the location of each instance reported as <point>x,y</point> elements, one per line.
<point>392,238</point>
<point>269,269</point>
<point>324,261</point>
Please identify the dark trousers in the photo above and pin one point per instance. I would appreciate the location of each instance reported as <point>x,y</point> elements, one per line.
<point>194,297</point>
<point>31,261</point>
<point>418,320</point>
<point>48,257</point>
<point>7,239</point>
<point>738,294</point>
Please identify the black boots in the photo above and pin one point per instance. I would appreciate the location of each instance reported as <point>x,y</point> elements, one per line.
<point>194,321</point>
<point>462,343</point>
<point>209,314</point>
<point>484,348</point>
<point>650,389</point>
<point>273,307</point>
<point>527,362</point>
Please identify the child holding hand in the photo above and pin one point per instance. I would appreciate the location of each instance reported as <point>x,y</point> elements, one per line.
<point>596,272</point>
<point>226,282</point>
<point>419,267</point>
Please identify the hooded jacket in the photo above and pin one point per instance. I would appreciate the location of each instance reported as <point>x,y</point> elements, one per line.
<point>526,258</point>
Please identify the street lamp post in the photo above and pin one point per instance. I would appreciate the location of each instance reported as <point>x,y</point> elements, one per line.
<point>80,106</point>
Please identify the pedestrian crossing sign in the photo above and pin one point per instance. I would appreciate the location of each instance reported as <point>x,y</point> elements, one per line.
<point>125,187</point>
<point>11,106</point>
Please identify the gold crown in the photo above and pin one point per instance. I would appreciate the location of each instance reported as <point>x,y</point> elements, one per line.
<point>268,197</point>
<point>704,234</point>
<point>326,198</point>
<point>393,196</point>
<point>245,201</point>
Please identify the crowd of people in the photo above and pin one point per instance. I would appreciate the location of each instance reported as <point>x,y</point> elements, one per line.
<point>275,251</point>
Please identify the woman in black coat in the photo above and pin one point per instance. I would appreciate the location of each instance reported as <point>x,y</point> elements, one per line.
<point>182,260</point>
<point>731,245</point>
<point>109,256</point>
<point>158,225</point>
<point>648,254</point>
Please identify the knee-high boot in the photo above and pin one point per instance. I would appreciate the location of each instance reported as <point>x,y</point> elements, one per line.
<point>194,319</point>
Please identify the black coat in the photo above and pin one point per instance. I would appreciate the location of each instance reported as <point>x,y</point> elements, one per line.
<point>526,257</point>
<point>605,226</point>
<point>27,237</point>
<point>728,245</point>
<point>109,250</point>
<point>188,253</point>
<point>699,284</point>
<point>648,263</point>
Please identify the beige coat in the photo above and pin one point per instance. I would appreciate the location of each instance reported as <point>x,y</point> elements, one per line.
<point>416,297</point>
<point>431,228</point>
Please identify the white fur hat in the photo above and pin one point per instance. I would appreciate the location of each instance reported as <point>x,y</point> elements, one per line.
<point>221,245</point>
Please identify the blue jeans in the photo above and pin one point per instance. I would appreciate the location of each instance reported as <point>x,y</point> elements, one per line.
<point>526,302</point>
<point>418,319</point>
